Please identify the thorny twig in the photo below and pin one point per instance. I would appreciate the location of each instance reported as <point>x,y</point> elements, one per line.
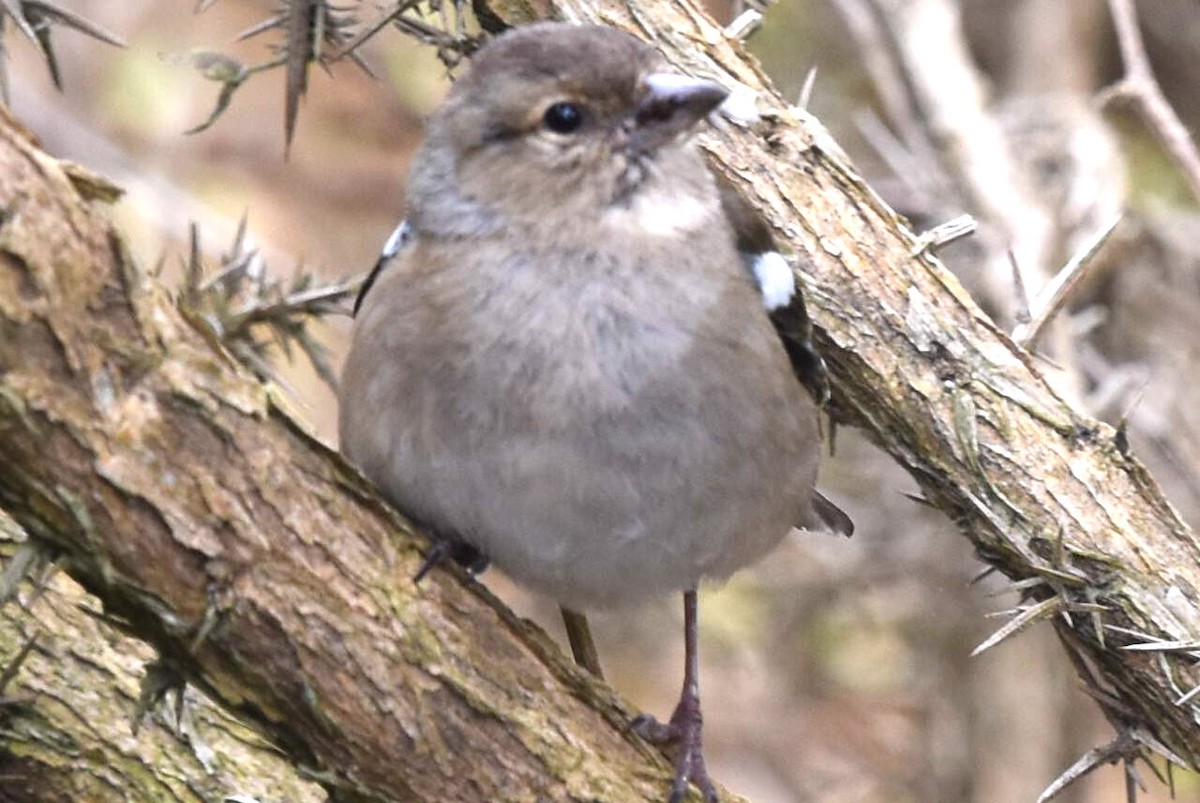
<point>241,307</point>
<point>1024,618</point>
<point>452,46</point>
<point>1128,746</point>
<point>35,19</point>
<point>944,234</point>
<point>308,28</point>
<point>1056,292</point>
<point>744,24</point>
<point>806,89</point>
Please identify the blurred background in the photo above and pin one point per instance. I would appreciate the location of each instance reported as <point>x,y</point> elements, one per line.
<point>835,670</point>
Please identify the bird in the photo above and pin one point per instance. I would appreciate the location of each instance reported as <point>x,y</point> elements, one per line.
<point>580,357</point>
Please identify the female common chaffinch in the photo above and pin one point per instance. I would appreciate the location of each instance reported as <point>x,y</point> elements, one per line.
<point>566,361</point>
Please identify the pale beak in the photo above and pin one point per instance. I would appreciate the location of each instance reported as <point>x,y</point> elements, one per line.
<point>673,103</point>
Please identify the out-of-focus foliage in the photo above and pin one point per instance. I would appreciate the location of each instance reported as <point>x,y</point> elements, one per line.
<point>37,19</point>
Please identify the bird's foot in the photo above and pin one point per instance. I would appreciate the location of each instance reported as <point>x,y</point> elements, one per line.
<point>683,733</point>
<point>460,552</point>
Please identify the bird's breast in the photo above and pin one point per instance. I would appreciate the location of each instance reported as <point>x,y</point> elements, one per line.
<point>604,327</point>
<point>604,422</point>
<point>660,211</point>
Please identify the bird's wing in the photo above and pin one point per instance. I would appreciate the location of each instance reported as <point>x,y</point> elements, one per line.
<point>782,297</point>
<point>784,302</point>
<point>824,516</point>
<point>394,245</point>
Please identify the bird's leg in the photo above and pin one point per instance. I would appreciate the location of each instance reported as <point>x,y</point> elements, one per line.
<point>579,634</point>
<point>683,729</point>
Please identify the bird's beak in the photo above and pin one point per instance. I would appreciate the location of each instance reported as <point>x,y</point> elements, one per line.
<point>672,104</point>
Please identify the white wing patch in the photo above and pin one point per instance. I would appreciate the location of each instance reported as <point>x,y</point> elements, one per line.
<point>396,240</point>
<point>775,279</point>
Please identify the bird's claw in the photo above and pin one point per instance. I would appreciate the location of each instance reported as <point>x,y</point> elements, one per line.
<point>653,731</point>
<point>462,553</point>
<point>683,732</point>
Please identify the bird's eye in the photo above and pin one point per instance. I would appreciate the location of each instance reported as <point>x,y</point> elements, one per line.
<point>563,118</point>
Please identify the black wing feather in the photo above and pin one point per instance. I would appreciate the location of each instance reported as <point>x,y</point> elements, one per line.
<point>398,239</point>
<point>754,238</point>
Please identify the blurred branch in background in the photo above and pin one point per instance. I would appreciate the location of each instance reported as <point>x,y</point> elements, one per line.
<point>937,99</point>
<point>1139,87</point>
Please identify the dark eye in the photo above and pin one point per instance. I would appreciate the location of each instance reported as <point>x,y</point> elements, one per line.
<point>563,118</point>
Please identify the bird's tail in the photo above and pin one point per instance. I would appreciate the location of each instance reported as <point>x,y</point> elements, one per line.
<point>826,516</point>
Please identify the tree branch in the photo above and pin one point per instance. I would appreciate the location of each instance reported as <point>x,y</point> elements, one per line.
<point>67,687</point>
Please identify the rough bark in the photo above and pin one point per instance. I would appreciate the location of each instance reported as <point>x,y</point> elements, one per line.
<point>182,493</point>
<point>67,714</point>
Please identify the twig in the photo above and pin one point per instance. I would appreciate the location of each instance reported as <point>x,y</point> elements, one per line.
<point>1022,311</point>
<point>744,24</point>
<point>1052,297</point>
<point>1140,88</point>
<point>372,29</point>
<point>1190,645</point>
<point>1089,761</point>
<point>1034,613</point>
<point>943,234</point>
<point>583,646</point>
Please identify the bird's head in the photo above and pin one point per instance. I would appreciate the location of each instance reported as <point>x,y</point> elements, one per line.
<point>565,120</point>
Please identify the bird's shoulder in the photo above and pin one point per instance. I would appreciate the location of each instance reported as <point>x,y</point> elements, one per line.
<point>399,239</point>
